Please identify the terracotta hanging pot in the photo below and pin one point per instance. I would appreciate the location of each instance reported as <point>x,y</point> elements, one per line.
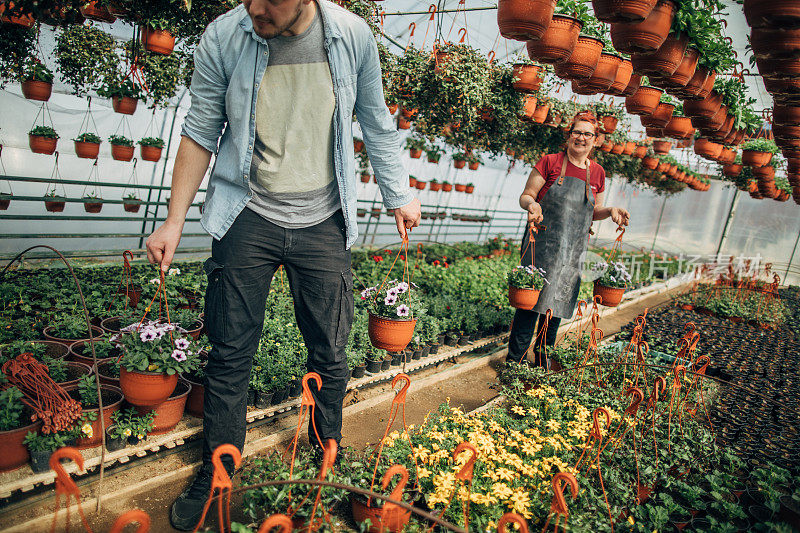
<point>685,70</point>
<point>609,296</point>
<point>640,151</point>
<point>755,158</point>
<point>708,86</point>
<point>679,127</point>
<point>650,162</point>
<point>87,150</point>
<point>557,42</point>
<point>158,41</point>
<point>581,87</point>
<point>26,21</point>
<point>767,189</point>
<point>731,170</point>
<point>727,156</point>
<point>764,173</point>
<point>787,90</point>
<point>37,90</point>
<point>662,146</point>
<point>526,78</point>
<point>633,85</point>
<point>150,153</point>
<point>654,133</point>
<point>622,10</point>
<point>663,61</point>
<point>122,153</point>
<point>540,115</point>
<point>622,79</point>
<point>524,20</point>
<point>608,124</point>
<point>672,171</point>
<point>528,107</point>
<point>722,133</point>
<point>778,68</point>
<point>605,73</point>
<point>775,13</point>
<point>695,83</point>
<point>618,148</point>
<point>42,145</point>
<point>607,146</point>
<point>583,60</point>
<point>391,335</point>
<point>662,167</point>
<point>786,114</point>
<point>644,101</point>
<point>711,124</point>
<point>99,13</point>
<point>792,166</point>
<point>706,148</point>
<point>772,42</point>
<point>523,298</point>
<point>703,108</point>
<point>660,117</point>
<point>628,148</point>
<point>645,36</point>
<point>793,178</point>
<point>124,104</point>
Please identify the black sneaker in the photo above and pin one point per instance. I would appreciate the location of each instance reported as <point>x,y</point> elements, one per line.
<point>185,513</point>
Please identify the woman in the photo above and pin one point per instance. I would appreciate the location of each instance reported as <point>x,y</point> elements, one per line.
<point>563,195</point>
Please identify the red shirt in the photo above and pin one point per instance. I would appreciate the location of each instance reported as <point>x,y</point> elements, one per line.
<point>549,167</point>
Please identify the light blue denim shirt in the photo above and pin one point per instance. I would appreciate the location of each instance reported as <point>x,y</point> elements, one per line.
<point>229,64</point>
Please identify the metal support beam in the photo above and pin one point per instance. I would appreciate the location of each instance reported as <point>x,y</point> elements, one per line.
<point>731,211</point>
<point>658,225</point>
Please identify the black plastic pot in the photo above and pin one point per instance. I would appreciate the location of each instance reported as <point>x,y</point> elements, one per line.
<point>440,339</point>
<point>463,340</point>
<point>279,396</point>
<point>114,444</point>
<point>373,366</point>
<point>425,351</point>
<point>386,363</point>
<point>417,354</point>
<point>397,358</point>
<point>451,340</point>
<point>263,399</point>
<point>251,397</point>
<point>435,348</point>
<point>40,460</point>
<point>295,388</point>
<point>358,371</point>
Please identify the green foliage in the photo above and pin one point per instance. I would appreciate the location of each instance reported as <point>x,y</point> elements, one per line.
<point>526,277</point>
<point>47,443</point>
<point>85,56</point>
<point>10,408</point>
<point>33,69</point>
<point>157,142</point>
<point>118,84</point>
<point>17,46</point>
<point>761,144</point>
<point>702,22</point>
<point>151,348</point>
<point>88,137</point>
<point>44,131</point>
<point>130,424</point>
<point>87,389</point>
<point>162,73</point>
<point>121,140</point>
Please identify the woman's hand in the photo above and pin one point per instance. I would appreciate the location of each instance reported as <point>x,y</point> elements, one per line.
<point>620,216</point>
<point>535,213</point>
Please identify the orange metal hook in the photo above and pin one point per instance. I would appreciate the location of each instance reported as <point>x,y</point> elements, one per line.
<point>129,517</point>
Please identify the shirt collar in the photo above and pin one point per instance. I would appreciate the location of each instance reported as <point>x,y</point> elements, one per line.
<point>330,28</point>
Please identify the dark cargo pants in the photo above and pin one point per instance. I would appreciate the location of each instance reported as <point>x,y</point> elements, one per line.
<point>239,271</point>
<point>522,334</point>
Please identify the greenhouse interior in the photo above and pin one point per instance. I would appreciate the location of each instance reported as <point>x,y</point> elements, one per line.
<point>296,285</point>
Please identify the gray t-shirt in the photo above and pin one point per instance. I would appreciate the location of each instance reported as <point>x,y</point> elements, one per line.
<point>291,174</point>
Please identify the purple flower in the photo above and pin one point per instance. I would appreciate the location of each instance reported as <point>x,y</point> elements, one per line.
<point>393,292</point>
<point>179,355</point>
<point>403,310</point>
<point>390,300</point>
<point>402,287</point>
<point>181,344</point>
<point>147,334</point>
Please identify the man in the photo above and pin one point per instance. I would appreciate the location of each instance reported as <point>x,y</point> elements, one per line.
<point>284,77</point>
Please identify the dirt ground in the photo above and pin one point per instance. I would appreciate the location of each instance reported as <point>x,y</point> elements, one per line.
<point>154,485</point>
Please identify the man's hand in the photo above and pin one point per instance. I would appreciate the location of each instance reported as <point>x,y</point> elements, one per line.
<point>163,242</point>
<point>620,216</point>
<point>408,216</point>
<point>535,213</point>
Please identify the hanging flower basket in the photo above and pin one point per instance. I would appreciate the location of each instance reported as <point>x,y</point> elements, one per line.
<point>435,186</point>
<point>583,60</point>
<point>420,185</point>
<point>469,189</point>
<point>158,41</point>
<point>54,205</point>
<point>540,115</point>
<point>622,10</point>
<point>760,14</point>
<point>660,117</point>
<point>403,123</point>
<point>557,42</point>
<point>703,108</point>
<point>415,153</point>
<point>706,148</point>
<point>459,163</point>
<point>94,12</point>
<point>610,296</point>
<point>695,84</point>
<point>679,128</point>
<point>37,90</point>
<point>150,152</point>
<point>755,158</point>
<point>121,152</point>
<point>447,187</point>
<point>650,162</point>
<point>87,150</point>
<point>43,144</point>
<point>529,107</point>
<point>624,73</point>
<point>524,20</point>
<point>389,334</point>
<point>391,314</point>
<point>609,124</point>
<point>526,78</point>
<point>26,21</point>
<point>605,73</point>
<point>645,36</point>
<point>475,165</point>
<point>764,173</point>
<point>93,206</point>
<point>461,187</point>
<point>124,104</point>
<point>640,151</point>
<point>5,201</point>
<point>685,69</point>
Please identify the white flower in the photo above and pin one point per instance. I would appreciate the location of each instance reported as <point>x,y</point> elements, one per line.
<point>155,281</point>
<point>174,272</point>
<point>402,287</point>
<point>181,344</point>
<point>390,300</point>
<point>403,310</point>
<point>392,292</point>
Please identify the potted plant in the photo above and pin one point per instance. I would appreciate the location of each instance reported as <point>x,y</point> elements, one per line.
<point>524,284</point>
<point>522,20</point>
<point>434,154</point>
<point>85,55</point>
<point>447,186</point>
<point>36,80</point>
<point>460,187</point>
<point>435,185</point>
<point>392,310</point>
<point>94,10</point>
<point>131,427</point>
<point>41,447</point>
<point>459,159</point>
<point>43,140</point>
<point>13,429</point>
<point>122,91</point>
<point>157,36</point>
<point>87,145</point>
<point>358,144</point>
<point>153,356</point>
<point>415,145</point>
<point>151,147</point>
<point>758,152</point>
<point>474,161</point>
<point>121,148</point>
<point>131,203</point>
<point>470,188</point>
<point>54,202</point>
<point>86,393</point>
<point>92,203</point>
<point>611,285</point>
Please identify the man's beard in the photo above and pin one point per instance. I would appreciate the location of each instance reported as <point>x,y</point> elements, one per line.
<point>280,30</point>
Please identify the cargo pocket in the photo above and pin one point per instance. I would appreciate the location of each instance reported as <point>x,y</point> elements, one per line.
<point>215,305</point>
<point>346,311</point>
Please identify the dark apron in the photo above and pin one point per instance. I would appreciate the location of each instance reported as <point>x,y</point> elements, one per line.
<point>567,208</point>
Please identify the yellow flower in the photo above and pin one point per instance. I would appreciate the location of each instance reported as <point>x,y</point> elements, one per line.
<point>518,410</point>
<point>501,490</point>
<point>505,474</point>
<point>423,473</point>
<point>520,503</point>
<point>482,499</point>
<point>127,432</point>
<point>87,430</point>
<point>553,425</point>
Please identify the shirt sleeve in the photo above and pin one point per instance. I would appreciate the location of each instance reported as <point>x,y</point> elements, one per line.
<point>544,165</point>
<point>380,135</point>
<point>206,116</point>
<point>601,179</point>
